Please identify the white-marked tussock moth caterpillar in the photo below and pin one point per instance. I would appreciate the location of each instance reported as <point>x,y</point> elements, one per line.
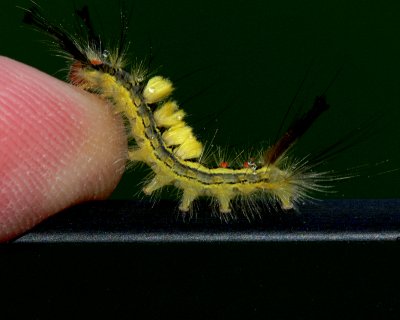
<point>166,143</point>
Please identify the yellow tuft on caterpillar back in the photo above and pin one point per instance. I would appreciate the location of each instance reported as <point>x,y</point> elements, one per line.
<point>168,114</point>
<point>157,89</point>
<point>189,149</point>
<point>177,134</point>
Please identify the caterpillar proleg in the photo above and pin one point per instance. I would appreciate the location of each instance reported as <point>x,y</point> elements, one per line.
<point>167,144</point>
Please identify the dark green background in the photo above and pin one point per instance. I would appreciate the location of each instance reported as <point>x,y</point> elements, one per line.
<point>246,60</point>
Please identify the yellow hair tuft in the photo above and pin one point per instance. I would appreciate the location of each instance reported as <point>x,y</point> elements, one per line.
<point>157,89</point>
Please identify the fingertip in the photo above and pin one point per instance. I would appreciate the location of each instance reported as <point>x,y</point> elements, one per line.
<point>58,146</point>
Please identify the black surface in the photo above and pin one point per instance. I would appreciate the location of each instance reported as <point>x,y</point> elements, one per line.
<point>128,260</point>
<point>130,221</point>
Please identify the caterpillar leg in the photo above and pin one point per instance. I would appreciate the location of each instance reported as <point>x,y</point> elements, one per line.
<point>189,195</point>
<point>286,201</point>
<point>157,182</point>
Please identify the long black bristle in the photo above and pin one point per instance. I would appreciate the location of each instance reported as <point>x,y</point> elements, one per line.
<point>83,14</point>
<point>34,18</point>
<point>296,130</point>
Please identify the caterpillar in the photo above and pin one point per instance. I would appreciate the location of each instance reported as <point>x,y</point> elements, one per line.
<point>167,144</point>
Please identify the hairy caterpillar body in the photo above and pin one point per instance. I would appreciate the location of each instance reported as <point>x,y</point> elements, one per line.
<point>166,143</point>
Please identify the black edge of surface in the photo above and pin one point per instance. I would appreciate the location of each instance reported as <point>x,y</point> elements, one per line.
<point>143,222</point>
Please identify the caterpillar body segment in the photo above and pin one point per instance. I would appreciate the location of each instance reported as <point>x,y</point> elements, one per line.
<point>166,143</point>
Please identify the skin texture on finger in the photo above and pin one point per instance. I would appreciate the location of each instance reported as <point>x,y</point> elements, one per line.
<point>59,146</point>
